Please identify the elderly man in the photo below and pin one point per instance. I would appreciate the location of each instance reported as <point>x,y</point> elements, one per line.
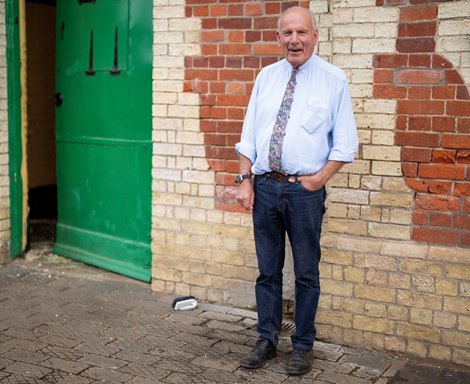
<point>298,132</point>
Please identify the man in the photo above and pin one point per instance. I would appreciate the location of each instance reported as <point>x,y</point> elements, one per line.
<point>307,101</point>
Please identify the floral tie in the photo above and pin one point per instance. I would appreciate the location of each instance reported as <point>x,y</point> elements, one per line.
<point>279,130</point>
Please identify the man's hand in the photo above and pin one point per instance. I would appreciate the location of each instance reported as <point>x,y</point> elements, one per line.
<point>318,180</point>
<point>311,182</point>
<point>246,195</point>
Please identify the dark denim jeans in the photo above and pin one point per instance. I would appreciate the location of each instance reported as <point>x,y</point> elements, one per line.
<point>280,207</point>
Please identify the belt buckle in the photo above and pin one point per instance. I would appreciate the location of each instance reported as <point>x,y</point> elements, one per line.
<point>277,176</point>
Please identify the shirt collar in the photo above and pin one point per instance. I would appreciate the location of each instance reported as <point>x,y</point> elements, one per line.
<point>304,67</point>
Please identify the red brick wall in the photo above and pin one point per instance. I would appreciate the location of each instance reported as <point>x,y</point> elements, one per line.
<point>238,38</point>
<point>433,122</point>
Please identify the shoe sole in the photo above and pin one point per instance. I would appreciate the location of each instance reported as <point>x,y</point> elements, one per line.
<point>256,366</point>
<point>297,372</point>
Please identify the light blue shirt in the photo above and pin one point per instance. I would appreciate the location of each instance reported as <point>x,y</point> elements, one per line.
<point>321,125</point>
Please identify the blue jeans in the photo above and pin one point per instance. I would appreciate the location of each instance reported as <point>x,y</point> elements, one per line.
<point>280,207</point>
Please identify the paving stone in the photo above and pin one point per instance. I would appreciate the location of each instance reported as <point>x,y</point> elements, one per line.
<point>267,373</point>
<point>102,361</point>
<point>4,362</point>
<point>242,313</point>
<point>57,341</point>
<point>15,332</point>
<point>142,380</point>
<point>219,376</point>
<point>20,379</point>
<point>366,373</point>
<point>95,347</point>
<point>225,326</point>
<point>328,366</point>
<point>202,350</point>
<point>226,348</point>
<point>329,347</point>
<point>146,371</point>
<point>25,356</point>
<point>225,317</point>
<point>196,338</point>
<point>225,363</point>
<point>324,354</point>
<point>376,362</point>
<point>395,367</point>
<point>173,365</point>
<point>162,343</point>
<point>381,381</point>
<point>196,328</point>
<point>26,369</point>
<point>63,353</point>
<point>229,337</point>
<point>164,330</point>
<point>136,356</point>
<point>65,365</point>
<point>338,378</point>
<point>180,378</point>
<point>103,374</point>
<point>28,345</point>
<point>70,323</point>
<point>59,377</point>
<point>174,354</point>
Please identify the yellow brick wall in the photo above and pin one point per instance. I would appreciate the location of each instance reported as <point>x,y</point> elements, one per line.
<point>380,289</point>
<point>4,180</point>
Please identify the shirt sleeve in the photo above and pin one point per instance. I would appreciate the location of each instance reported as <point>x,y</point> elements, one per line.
<point>344,134</point>
<point>247,144</point>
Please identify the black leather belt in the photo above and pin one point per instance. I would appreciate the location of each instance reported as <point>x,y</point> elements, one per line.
<point>279,176</point>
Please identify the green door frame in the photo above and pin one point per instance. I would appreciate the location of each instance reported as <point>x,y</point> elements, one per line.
<point>12,22</point>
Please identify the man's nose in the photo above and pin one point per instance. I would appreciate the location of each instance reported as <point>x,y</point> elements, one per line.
<point>294,39</point>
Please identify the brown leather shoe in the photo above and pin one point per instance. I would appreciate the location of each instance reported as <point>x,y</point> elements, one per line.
<point>300,362</point>
<point>263,351</point>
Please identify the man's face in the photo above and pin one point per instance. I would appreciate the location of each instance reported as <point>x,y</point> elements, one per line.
<point>296,37</point>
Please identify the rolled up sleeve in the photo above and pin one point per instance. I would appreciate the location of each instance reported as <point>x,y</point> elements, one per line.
<point>344,134</point>
<point>247,144</point>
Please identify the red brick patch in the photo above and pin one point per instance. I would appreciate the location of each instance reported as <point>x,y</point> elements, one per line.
<point>432,126</point>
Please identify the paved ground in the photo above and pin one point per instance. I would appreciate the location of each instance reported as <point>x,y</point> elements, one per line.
<point>64,322</point>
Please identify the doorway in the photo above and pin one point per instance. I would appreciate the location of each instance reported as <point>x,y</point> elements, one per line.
<point>89,131</point>
<point>40,135</point>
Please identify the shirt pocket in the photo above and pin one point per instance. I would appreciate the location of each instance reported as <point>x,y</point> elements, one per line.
<point>313,116</point>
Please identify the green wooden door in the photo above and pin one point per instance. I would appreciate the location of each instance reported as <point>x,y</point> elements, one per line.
<point>103,133</point>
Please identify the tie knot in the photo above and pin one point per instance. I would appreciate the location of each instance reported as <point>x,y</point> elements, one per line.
<point>293,73</point>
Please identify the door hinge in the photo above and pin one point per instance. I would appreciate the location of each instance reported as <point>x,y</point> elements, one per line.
<point>115,70</point>
<point>91,71</point>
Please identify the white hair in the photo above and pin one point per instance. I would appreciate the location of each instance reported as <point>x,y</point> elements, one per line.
<point>314,19</point>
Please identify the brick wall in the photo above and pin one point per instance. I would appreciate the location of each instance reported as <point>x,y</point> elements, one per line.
<point>385,285</point>
<point>4,181</point>
<point>381,288</point>
<point>432,121</point>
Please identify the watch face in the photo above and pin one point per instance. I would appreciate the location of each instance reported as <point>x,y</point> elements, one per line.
<point>240,178</point>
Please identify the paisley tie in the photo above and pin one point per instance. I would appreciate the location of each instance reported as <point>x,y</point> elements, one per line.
<point>279,130</point>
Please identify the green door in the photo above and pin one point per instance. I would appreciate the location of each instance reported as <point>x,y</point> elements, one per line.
<point>103,133</point>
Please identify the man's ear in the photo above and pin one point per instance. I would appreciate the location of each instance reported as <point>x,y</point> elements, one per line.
<point>316,36</point>
<point>278,38</point>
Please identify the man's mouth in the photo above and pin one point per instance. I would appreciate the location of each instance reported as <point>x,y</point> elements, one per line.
<point>295,50</point>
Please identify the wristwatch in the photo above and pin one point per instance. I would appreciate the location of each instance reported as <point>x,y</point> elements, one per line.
<point>242,177</point>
